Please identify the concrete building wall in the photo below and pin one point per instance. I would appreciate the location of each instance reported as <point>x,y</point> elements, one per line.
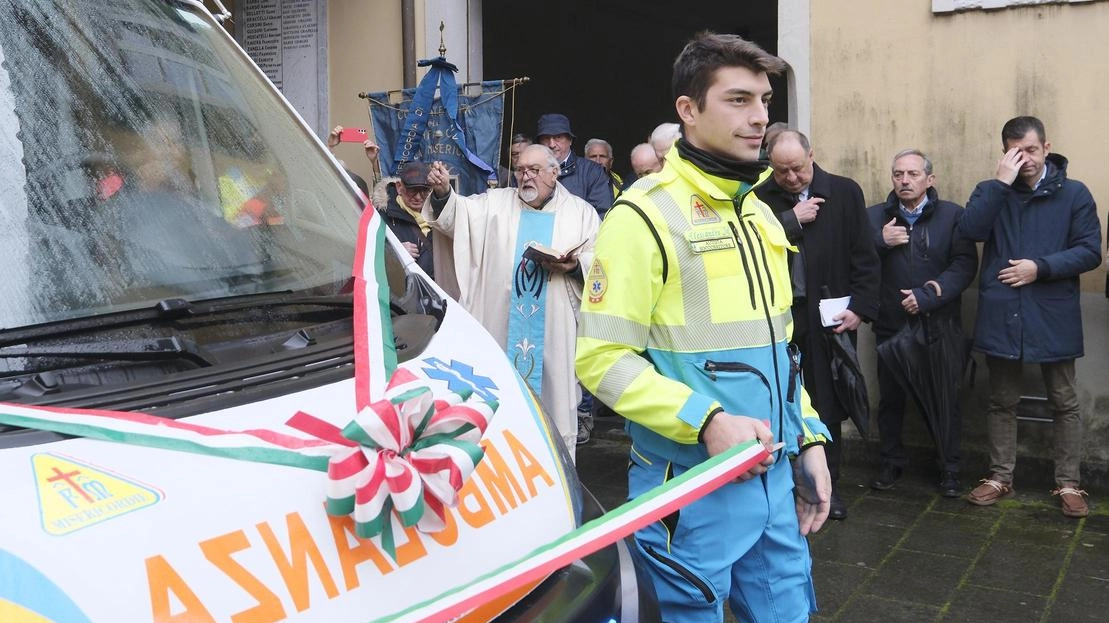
<point>365,54</point>
<point>890,75</point>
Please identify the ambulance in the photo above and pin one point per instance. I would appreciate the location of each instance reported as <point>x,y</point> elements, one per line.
<point>177,250</point>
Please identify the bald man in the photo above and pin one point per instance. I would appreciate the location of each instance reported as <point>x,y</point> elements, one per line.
<point>824,215</point>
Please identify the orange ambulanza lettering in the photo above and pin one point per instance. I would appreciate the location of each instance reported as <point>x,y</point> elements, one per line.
<point>218,551</point>
<point>413,550</point>
<point>530,469</point>
<point>162,579</point>
<point>478,515</point>
<point>449,534</point>
<point>498,479</point>
<point>353,551</point>
<point>294,568</point>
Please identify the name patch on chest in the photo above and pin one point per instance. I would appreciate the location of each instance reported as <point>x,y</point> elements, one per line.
<point>701,241</point>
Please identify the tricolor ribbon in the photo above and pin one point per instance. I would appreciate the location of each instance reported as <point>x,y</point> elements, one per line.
<point>407,454</point>
<point>665,499</point>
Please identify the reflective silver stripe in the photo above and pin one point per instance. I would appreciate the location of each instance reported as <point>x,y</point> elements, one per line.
<point>612,329</point>
<point>695,282</point>
<point>710,336</point>
<point>620,376</point>
<point>767,213</point>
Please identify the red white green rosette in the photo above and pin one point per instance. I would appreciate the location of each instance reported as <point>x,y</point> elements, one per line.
<point>407,454</point>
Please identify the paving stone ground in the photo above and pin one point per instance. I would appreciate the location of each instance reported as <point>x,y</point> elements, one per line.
<point>910,555</point>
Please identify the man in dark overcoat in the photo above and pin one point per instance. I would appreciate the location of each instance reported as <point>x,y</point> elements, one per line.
<point>824,215</point>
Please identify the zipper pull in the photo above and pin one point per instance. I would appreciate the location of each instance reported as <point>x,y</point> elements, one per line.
<point>710,367</point>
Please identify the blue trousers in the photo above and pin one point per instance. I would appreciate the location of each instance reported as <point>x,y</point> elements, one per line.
<point>741,543</point>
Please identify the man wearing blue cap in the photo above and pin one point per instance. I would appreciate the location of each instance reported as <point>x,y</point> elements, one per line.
<point>583,178</point>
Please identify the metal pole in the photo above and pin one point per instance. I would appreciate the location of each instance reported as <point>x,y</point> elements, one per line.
<point>408,41</point>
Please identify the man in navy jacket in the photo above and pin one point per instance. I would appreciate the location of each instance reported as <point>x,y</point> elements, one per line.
<point>926,265</point>
<point>583,178</point>
<point>1041,231</point>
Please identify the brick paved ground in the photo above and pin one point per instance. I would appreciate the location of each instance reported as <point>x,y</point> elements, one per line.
<point>910,555</point>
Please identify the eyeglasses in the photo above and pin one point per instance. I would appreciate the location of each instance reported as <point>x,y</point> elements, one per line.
<point>527,172</point>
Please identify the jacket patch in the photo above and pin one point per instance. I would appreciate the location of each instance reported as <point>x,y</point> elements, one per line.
<point>700,213</point>
<point>709,240</point>
<point>598,282</point>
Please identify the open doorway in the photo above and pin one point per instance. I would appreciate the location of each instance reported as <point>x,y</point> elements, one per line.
<point>607,65</point>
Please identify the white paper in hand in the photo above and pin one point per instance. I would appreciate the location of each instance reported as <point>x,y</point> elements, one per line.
<point>829,308</point>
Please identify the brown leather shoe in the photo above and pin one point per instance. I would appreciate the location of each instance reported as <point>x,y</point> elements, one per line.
<point>1071,500</point>
<point>989,492</point>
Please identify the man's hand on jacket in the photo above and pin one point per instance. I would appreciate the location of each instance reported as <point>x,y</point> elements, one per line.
<point>807,210</point>
<point>1019,273</point>
<point>894,235</point>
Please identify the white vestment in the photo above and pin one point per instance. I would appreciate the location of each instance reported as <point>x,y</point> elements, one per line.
<point>483,231</point>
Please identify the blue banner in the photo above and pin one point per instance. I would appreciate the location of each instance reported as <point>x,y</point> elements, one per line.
<point>422,127</point>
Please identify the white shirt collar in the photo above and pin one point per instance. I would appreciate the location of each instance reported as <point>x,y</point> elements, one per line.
<point>919,207</point>
<point>1043,174</point>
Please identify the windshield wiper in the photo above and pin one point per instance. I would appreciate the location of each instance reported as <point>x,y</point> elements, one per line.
<point>153,349</point>
<point>167,309</point>
<point>177,308</point>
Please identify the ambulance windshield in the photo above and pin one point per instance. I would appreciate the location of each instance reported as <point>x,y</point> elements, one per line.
<point>142,158</point>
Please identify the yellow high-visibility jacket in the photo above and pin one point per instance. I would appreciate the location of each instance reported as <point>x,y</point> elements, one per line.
<point>686,310</point>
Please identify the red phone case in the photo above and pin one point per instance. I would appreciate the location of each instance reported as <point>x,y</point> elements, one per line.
<point>353,135</point>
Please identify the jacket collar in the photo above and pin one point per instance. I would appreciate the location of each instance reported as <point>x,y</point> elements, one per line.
<point>821,183</point>
<point>1056,174</point>
<point>568,166</point>
<point>717,188</point>
<point>893,204</point>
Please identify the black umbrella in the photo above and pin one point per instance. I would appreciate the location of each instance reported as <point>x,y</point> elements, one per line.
<point>928,357</point>
<point>848,380</point>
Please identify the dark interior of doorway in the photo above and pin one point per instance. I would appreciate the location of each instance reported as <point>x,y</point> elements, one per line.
<point>607,64</point>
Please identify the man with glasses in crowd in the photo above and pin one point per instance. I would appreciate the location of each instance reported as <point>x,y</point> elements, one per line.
<point>528,301</point>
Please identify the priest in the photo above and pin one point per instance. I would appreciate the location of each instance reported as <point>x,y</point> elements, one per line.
<point>529,306</point>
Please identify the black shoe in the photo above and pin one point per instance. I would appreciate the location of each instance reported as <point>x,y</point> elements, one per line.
<point>887,477</point>
<point>838,510</point>
<point>949,485</point>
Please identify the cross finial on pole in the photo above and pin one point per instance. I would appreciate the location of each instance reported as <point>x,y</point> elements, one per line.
<point>442,46</point>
